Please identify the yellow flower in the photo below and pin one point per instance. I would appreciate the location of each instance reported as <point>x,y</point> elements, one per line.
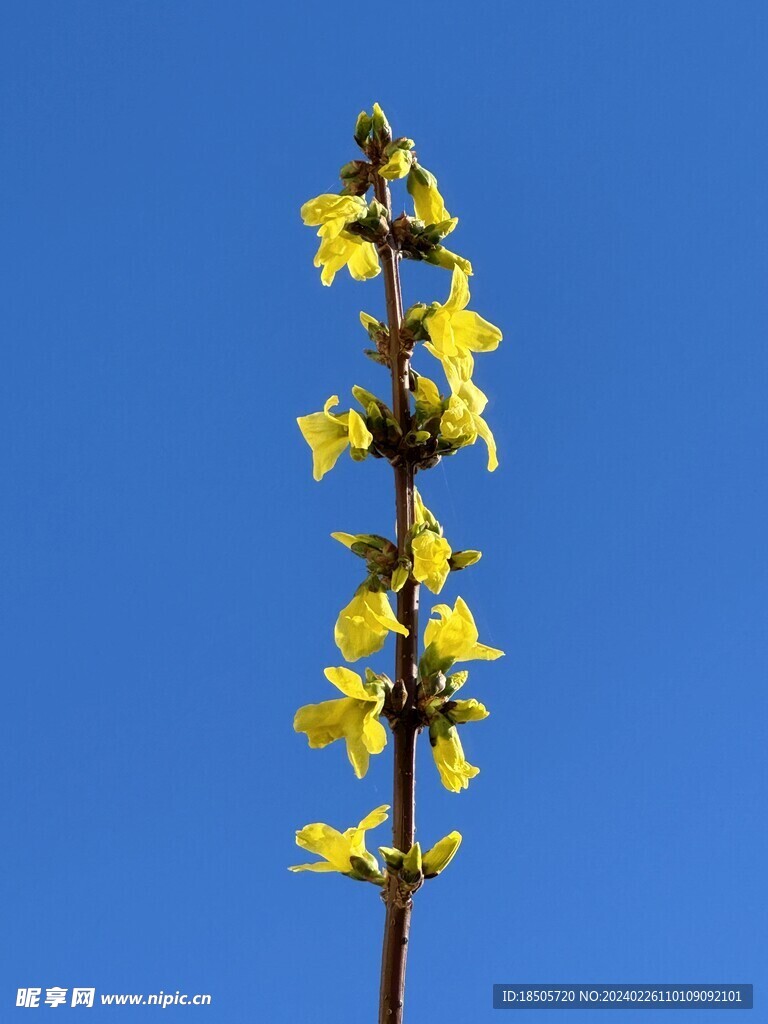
<point>398,165</point>
<point>344,852</point>
<point>427,201</point>
<point>456,331</point>
<point>354,717</point>
<point>453,636</point>
<point>350,251</point>
<point>328,434</point>
<point>430,560</point>
<point>362,626</point>
<point>462,423</point>
<point>338,248</point>
<point>332,213</point>
<point>448,753</point>
<point>440,856</point>
<point>457,424</point>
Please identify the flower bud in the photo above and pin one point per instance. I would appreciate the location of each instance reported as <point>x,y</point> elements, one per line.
<point>363,128</point>
<point>463,559</point>
<point>365,868</point>
<point>381,129</point>
<point>411,869</point>
<point>440,856</point>
<point>397,166</point>
<point>392,858</point>
<point>400,576</point>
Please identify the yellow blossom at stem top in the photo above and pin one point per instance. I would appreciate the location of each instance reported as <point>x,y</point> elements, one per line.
<point>328,434</point>
<point>354,717</point>
<point>453,636</point>
<point>453,329</point>
<point>344,852</point>
<point>363,625</point>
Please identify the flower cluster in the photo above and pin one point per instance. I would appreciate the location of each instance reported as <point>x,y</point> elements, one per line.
<point>355,231</point>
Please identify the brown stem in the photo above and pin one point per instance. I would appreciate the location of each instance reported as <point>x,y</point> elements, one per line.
<point>397,925</point>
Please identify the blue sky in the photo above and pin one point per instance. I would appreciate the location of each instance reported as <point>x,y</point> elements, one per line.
<point>168,585</point>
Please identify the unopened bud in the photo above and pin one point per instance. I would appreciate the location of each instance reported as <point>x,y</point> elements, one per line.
<point>363,128</point>
<point>411,869</point>
<point>463,559</point>
<point>400,576</point>
<point>392,858</point>
<point>381,128</point>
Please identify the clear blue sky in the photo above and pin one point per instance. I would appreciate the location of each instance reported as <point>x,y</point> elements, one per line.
<point>168,586</point>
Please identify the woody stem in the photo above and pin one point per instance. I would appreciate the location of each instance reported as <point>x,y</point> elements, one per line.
<point>397,924</point>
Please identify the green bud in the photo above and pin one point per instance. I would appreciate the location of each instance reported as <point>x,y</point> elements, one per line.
<point>413,321</point>
<point>375,418</point>
<point>378,678</point>
<point>392,858</point>
<point>380,124</point>
<point>366,869</point>
<point>463,559</point>
<point>411,869</point>
<point>377,210</point>
<point>358,454</point>
<point>401,143</point>
<point>365,398</point>
<point>400,576</point>
<point>374,327</point>
<point>352,169</point>
<point>432,686</point>
<point>363,128</point>
<point>419,436</point>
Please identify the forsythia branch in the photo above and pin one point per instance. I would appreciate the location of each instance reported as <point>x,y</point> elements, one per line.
<point>422,425</point>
